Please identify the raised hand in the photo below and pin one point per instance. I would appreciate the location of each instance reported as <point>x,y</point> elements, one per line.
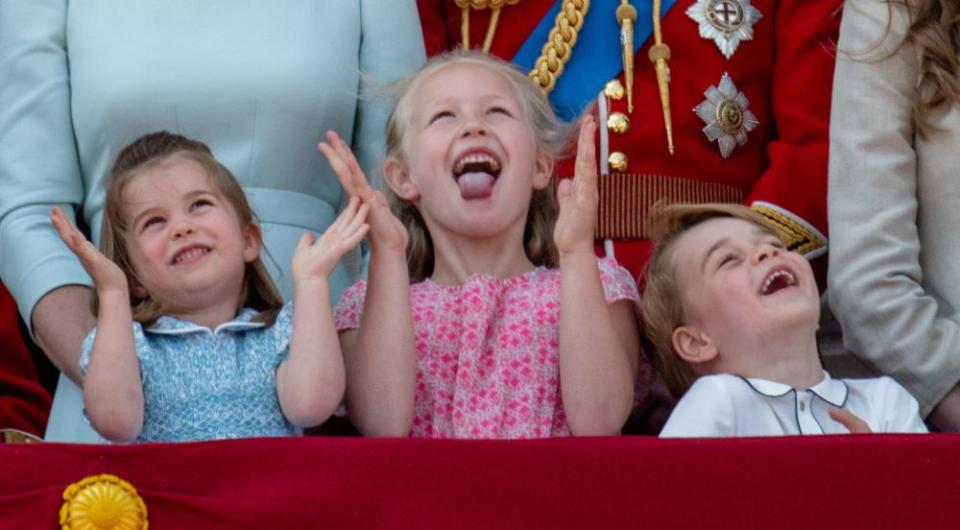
<point>315,259</point>
<point>578,197</point>
<point>386,231</point>
<point>852,422</point>
<point>107,275</point>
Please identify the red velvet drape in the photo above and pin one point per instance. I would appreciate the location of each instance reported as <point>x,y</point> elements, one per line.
<point>879,481</point>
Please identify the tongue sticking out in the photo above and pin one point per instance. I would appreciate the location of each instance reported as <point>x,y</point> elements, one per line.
<point>475,185</point>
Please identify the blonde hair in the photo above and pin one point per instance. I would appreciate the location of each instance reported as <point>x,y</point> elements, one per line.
<point>663,303</point>
<point>148,151</point>
<point>550,135</point>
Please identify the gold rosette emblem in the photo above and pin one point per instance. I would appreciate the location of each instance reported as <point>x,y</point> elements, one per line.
<point>102,502</point>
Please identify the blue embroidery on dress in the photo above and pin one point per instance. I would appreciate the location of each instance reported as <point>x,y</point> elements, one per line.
<point>202,384</point>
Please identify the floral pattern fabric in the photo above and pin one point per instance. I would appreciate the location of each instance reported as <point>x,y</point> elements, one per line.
<point>488,352</point>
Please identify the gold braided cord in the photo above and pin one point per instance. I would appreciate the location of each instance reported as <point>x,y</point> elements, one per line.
<point>484,4</point>
<point>659,54</point>
<point>626,16</point>
<point>465,7</point>
<point>559,46</point>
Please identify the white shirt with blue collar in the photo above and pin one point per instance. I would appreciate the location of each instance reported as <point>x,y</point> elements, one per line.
<point>203,384</point>
<point>730,405</point>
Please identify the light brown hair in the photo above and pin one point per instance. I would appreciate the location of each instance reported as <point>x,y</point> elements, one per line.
<point>147,151</point>
<point>935,31</point>
<point>663,303</point>
<point>551,137</point>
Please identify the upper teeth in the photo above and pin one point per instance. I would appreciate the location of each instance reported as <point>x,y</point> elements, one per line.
<point>189,254</point>
<point>477,158</point>
<point>773,277</point>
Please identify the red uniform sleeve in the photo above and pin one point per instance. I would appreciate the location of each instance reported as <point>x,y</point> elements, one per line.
<point>434,18</point>
<point>24,404</point>
<point>793,189</point>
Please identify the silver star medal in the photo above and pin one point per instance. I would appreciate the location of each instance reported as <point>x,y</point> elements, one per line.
<point>726,115</point>
<point>726,22</point>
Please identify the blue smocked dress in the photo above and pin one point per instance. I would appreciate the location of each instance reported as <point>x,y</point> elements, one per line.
<point>203,384</point>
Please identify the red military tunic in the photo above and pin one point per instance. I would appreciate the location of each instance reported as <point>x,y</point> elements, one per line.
<point>24,404</point>
<point>784,72</point>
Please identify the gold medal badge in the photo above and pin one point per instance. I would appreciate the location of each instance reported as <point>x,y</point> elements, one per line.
<point>102,502</point>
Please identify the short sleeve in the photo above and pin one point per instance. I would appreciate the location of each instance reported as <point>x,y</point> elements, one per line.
<point>139,343</point>
<point>280,333</point>
<point>705,410</point>
<point>347,313</point>
<point>618,283</point>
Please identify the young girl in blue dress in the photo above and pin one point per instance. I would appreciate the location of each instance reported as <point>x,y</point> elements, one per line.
<point>212,352</point>
<point>486,313</point>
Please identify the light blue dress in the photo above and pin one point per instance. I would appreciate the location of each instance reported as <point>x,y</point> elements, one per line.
<point>203,384</point>
<point>259,82</point>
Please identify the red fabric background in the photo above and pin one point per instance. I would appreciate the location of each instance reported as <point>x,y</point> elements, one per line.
<point>906,481</point>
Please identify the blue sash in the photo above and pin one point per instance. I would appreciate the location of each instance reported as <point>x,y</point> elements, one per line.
<point>597,55</point>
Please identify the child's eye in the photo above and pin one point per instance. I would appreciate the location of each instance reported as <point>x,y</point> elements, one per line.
<point>151,222</point>
<point>440,115</point>
<point>499,110</point>
<point>199,203</point>
<point>728,258</point>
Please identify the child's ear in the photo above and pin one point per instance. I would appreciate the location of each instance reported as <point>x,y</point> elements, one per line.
<point>252,241</point>
<point>137,290</point>
<point>398,178</point>
<point>542,172</point>
<point>693,345</point>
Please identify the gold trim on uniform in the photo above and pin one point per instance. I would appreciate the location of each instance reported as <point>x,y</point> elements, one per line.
<point>13,436</point>
<point>618,123</point>
<point>727,116</point>
<point>795,235</point>
<point>614,89</point>
<point>626,15</point>
<point>725,22</point>
<point>617,161</point>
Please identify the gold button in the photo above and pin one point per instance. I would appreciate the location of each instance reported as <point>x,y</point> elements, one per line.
<point>618,122</point>
<point>614,89</point>
<point>617,161</point>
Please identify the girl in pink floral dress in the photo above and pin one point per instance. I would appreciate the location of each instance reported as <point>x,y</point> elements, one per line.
<point>486,313</point>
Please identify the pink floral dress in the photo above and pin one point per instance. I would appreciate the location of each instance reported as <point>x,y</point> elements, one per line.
<point>488,352</point>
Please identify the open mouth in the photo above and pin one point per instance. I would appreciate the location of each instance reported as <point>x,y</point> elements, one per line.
<point>189,254</point>
<point>778,280</point>
<point>476,172</point>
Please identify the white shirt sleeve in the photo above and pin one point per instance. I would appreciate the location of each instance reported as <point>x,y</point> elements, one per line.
<point>707,409</point>
<point>900,412</point>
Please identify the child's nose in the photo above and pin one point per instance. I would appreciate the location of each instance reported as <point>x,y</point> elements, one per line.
<point>766,251</point>
<point>473,127</point>
<point>182,230</point>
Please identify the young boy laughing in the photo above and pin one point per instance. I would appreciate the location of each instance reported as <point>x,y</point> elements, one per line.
<point>726,301</point>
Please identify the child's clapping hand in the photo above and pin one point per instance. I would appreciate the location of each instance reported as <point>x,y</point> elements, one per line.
<point>578,197</point>
<point>106,275</point>
<point>386,231</point>
<point>315,259</point>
